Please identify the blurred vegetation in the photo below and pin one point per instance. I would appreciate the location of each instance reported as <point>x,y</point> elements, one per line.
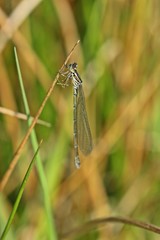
<point>119,61</point>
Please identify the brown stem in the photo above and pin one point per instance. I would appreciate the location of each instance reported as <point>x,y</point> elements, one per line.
<point>22,144</point>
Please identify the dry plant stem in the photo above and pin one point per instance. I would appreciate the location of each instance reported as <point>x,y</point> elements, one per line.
<point>101,221</point>
<point>28,55</point>
<point>13,22</point>
<point>22,144</point>
<point>70,25</point>
<point>22,116</point>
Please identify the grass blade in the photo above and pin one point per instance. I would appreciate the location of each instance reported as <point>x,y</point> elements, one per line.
<point>21,190</point>
<point>50,223</point>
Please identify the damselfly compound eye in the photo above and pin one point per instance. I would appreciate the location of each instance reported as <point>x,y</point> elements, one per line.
<point>74,65</point>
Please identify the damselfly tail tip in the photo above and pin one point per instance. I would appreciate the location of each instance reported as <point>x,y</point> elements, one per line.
<point>77,162</point>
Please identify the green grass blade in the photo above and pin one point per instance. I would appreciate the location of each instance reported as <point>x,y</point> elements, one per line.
<point>50,223</point>
<point>11,217</point>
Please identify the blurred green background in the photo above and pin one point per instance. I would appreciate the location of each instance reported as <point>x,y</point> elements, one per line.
<point>119,61</point>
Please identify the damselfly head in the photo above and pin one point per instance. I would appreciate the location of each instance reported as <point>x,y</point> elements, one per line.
<point>73,66</point>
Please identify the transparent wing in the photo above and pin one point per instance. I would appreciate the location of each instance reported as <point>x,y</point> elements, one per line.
<point>84,132</point>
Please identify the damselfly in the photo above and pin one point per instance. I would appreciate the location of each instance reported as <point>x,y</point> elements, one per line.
<point>81,130</point>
